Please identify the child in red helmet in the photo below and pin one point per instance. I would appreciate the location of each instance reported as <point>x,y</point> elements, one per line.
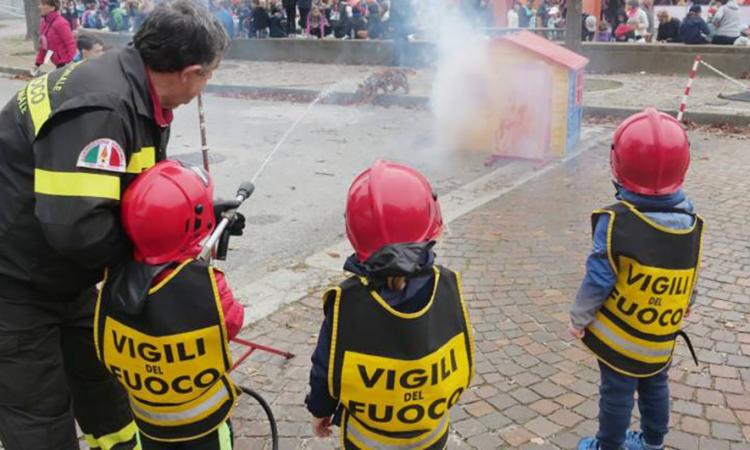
<point>395,351</point>
<point>163,320</point>
<point>639,280</point>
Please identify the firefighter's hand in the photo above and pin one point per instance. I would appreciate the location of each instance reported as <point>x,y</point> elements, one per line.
<point>576,332</point>
<point>321,426</point>
<point>237,224</point>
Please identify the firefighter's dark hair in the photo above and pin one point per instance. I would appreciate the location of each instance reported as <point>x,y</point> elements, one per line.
<point>179,34</point>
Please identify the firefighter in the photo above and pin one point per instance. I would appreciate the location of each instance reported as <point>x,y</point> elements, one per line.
<point>639,280</point>
<point>163,321</point>
<point>395,350</point>
<point>70,142</point>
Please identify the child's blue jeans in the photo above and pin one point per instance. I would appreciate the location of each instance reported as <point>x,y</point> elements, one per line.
<point>617,393</point>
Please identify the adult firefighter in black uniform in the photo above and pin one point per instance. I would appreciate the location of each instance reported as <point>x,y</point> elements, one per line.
<point>70,142</point>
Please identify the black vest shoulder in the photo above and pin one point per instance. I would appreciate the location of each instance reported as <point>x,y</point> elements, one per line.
<point>635,236</point>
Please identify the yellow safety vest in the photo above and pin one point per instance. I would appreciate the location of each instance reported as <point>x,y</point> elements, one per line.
<point>173,356</point>
<point>397,374</point>
<point>634,331</point>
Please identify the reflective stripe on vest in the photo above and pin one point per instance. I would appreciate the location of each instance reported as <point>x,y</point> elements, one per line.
<point>37,96</point>
<point>142,160</point>
<point>194,411</point>
<point>635,329</point>
<point>363,438</point>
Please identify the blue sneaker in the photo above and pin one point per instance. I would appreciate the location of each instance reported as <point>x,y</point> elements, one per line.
<point>634,441</point>
<point>588,443</point>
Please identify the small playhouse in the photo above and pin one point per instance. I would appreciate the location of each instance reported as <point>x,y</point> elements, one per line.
<point>531,99</point>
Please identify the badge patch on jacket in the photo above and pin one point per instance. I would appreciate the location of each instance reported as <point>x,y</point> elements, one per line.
<point>103,154</point>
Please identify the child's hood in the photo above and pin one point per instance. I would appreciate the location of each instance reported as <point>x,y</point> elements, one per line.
<point>677,200</point>
<point>129,283</point>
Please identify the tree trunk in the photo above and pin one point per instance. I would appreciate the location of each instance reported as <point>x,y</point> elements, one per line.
<point>573,26</point>
<point>32,21</point>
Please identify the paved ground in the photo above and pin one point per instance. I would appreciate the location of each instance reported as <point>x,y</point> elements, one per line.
<point>521,256</point>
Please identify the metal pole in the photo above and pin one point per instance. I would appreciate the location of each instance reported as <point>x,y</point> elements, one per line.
<point>202,122</point>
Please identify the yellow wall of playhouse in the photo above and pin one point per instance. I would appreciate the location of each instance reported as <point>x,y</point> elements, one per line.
<point>505,77</point>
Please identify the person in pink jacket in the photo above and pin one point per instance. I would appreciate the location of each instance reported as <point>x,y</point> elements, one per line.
<point>55,36</point>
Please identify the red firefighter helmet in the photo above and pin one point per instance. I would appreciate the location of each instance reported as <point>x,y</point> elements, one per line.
<point>167,210</point>
<point>390,203</point>
<point>650,153</point>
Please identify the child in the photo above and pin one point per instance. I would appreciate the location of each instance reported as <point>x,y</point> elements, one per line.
<point>91,17</point>
<point>70,13</point>
<point>358,24</point>
<point>628,32</point>
<point>261,20</point>
<point>395,351</point>
<point>163,320</point>
<point>316,23</point>
<point>603,33</point>
<point>89,46</point>
<point>276,25</point>
<point>639,280</point>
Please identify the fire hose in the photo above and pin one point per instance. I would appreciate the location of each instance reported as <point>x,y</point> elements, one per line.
<point>245,190</point>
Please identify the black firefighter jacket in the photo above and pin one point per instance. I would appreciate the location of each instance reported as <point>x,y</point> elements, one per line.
<point>70,142</point>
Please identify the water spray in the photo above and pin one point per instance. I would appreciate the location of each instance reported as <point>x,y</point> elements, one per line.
<point>289,130</point>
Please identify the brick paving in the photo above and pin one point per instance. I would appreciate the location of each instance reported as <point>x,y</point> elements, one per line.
<point>522,258</point>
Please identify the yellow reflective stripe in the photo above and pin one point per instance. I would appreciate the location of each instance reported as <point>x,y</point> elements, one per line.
<point>413,315</point>
<point>169,277</point>
<point>76,184</point>
<point>334,337</point>
<point>91,441</point>
<point>142,160</point>
<point>107,442</point>
<point>37,95</point>
<point>225,437</point>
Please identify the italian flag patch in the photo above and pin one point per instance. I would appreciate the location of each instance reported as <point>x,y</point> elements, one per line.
<point>103,154</point>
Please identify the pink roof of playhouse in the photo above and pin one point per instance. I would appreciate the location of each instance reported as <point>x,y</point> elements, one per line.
<point>546,49</point>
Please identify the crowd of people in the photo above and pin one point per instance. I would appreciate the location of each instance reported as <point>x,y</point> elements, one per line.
<point>718,22</point>
<point>358,19</point>
<point>636,21</point>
